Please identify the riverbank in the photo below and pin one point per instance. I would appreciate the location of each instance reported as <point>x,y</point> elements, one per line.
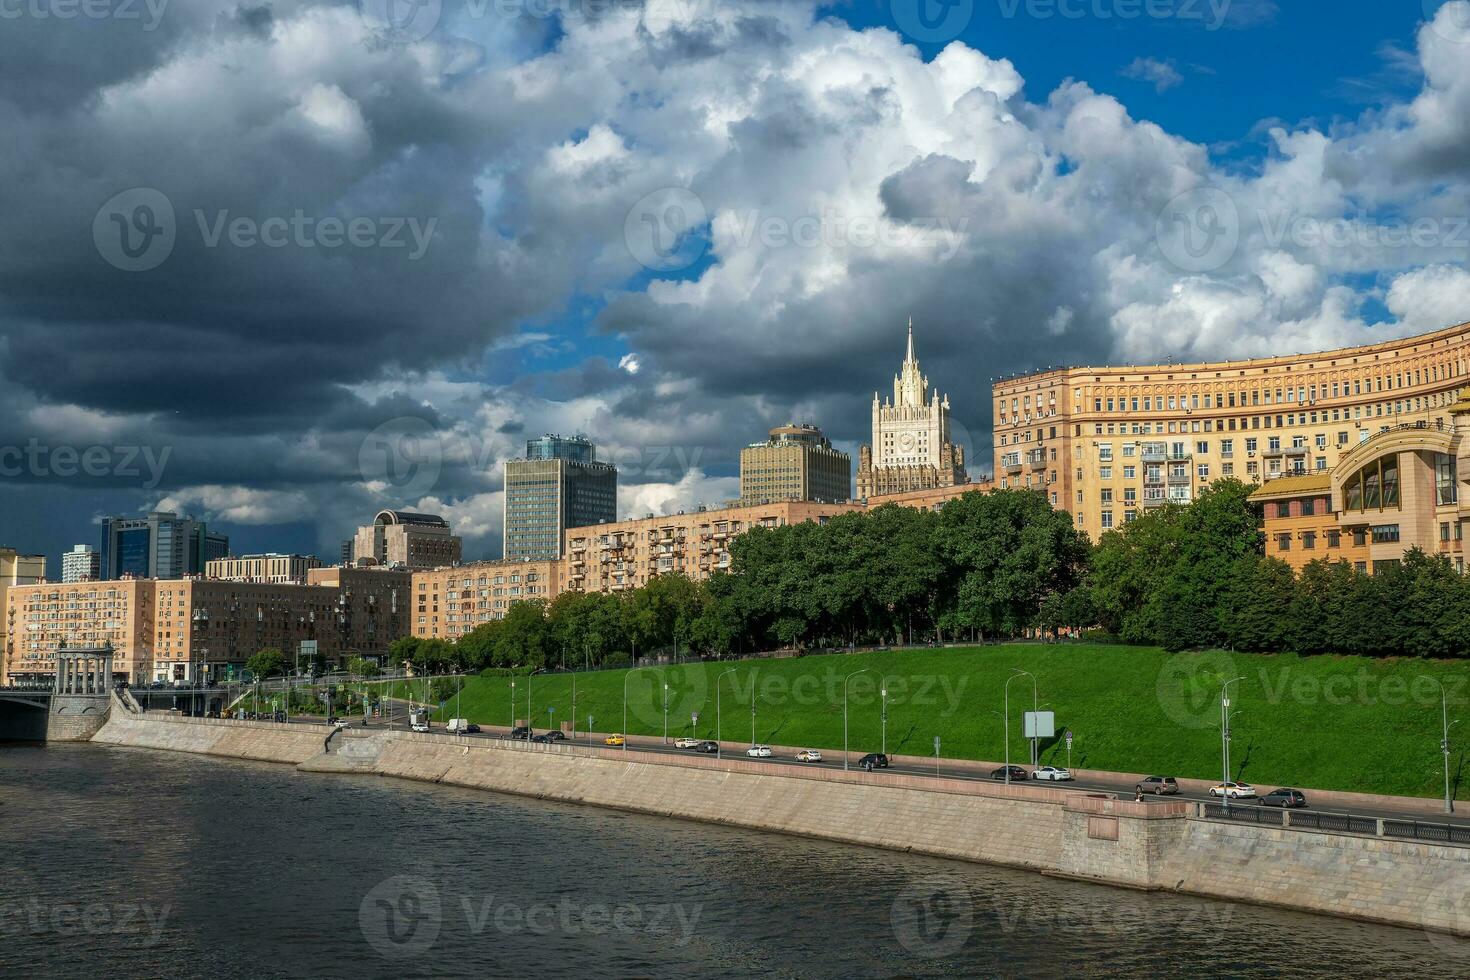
<point>1150,846</point>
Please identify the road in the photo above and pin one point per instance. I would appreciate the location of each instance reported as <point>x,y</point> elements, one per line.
<point>1120,786</point>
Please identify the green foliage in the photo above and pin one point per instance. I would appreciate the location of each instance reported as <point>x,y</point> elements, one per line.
<point>268,662</point>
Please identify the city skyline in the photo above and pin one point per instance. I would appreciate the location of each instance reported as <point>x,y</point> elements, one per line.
<point>1037,190</point>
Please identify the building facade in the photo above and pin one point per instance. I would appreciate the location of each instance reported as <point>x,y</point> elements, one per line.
<point>279,569</point>
<point>82,563</point>
<point>449,602</point>
<point>626,554</point>
<point>15,569</point>
<point>41,617</point>
<point>796,462</point>
<point>399,539</point>
<point>1400,488</point>
<point>160,545</point>
<point>932,499</point>
<point>911,448</point>
<point>558,485</point>
<point>1106,443</point>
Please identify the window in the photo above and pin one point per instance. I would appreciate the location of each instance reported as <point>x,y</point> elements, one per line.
<point>1309,540</point>
<point>1130,472</point>
<point>1227,448</point>
<point>1360,536</point>
<point>1283,509</point>
<point>1444,530</point>
<point>1107,520</point>
<point>1375,486</point>
<point>1385,534</point>
<point>1334,539</point>
<point>1445,491</point>
<point>1105,472</point>
<point>1283,542</point>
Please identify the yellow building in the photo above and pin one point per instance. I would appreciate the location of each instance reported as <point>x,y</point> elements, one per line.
<point>44,615</point>
<point>1106,443</point>
<point>449,602</point>
<point>797,462</point>
<point>624,555</point>
<point>15,569</point>
<point>279,569</point>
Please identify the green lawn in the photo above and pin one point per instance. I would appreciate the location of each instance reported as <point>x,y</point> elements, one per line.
<point>1346,723</point>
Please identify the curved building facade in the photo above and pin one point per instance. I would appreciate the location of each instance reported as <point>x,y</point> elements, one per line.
<point>1107,443</point>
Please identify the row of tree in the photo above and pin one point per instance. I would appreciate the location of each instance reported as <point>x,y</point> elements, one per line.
<point>988,565</point>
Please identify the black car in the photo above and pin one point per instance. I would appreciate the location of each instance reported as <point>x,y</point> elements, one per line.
<point>471,729</point>
<point>873,760</point>
<point>556,735</point>
<point>708,747</point>
<point>1018,775</point>
<point>1284,798</point>
<point>543,739</point>
<point>520,731</point>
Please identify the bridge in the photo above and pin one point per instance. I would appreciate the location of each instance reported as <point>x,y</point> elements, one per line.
<point>71,709</point>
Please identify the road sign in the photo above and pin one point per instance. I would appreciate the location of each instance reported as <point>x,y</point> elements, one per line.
<point>1041,724</point>
<point>307,648</point>
<point>936,744</point>
<point>694,717</point>
<point>1068,736</point>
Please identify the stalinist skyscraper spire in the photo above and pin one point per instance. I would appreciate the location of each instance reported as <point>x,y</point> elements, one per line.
<point>911,447</point>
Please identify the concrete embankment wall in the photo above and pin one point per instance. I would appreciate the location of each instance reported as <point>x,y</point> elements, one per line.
<point>1154,845</point>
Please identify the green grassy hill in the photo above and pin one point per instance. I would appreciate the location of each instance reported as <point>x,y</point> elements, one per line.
<point>1345,723</point>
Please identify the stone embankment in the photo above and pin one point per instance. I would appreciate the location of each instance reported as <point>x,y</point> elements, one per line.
<point>1154,845</point>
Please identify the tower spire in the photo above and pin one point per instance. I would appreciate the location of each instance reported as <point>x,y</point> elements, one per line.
<point>910,356</point>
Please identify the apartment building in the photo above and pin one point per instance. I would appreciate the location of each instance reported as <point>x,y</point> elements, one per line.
<point>796,462</point>
<point>399,539</point>
<point>625,554</point>
<point>42,616</point>
<point>1397,489</point>
<point>449,602</point>
<point>272,568</point>
<point>83,563</point>
<point>1107,443</point>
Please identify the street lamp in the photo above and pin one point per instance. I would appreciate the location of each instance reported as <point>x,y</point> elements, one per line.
<point>1015,672</point>
<point>626,678</point>
<point>844,713</point>
<point>1225,733</point>
<point>512,705</point>
<point>530,718</point>
<point>718,749</point>
<point>1444,743</point>
<point>666,713</point>
<point>883,694</point>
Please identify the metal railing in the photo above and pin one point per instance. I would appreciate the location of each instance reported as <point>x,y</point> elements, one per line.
<point>1336,823</point>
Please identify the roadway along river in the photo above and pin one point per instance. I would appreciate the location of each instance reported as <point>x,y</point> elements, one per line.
<point>125,862</point>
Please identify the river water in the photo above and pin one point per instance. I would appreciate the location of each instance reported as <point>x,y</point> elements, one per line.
<point>129,862</point>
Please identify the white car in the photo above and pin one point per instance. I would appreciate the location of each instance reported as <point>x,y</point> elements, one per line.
<point>808,755</point>
<point>1234,791</point>
<point>420,726</point>
<point>688,743</point>
<point>1052,773</point>
<point>340,724</point>
<point>759,751</point>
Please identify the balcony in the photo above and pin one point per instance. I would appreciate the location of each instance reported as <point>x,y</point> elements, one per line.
<point>1154,455</point>
<point>1151,503</point>
<point>1180,479</point>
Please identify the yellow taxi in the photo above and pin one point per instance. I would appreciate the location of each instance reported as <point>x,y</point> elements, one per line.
<point>613,740</point>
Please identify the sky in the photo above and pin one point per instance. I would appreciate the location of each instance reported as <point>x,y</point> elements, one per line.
<point>282,264</point>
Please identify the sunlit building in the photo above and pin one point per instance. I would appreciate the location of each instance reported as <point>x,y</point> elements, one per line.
<point>796,462</point>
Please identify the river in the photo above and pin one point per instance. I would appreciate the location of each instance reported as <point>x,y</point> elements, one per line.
<point>128,862</point>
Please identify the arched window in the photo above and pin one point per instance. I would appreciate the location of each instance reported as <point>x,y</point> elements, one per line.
<point>1375,486</point>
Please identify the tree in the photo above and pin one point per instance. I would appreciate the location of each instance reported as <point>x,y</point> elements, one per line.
<point>362,667</point>
<point>267,662</point>
<point>1257,614</point>
<point>403,650</point>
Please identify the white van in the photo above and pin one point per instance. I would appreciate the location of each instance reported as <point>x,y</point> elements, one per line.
<point>457,726</point>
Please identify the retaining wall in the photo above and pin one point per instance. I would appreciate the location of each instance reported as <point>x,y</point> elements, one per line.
<point>1154,845</point>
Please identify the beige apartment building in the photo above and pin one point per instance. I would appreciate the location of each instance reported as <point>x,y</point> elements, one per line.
<point>277,569</point>
<point>15,569</point>
<point>796,462</point>
<point>41,617</point>
<point>624,555</point>
<point>1107,443</point>
<point>399,539</point>
<point>449,602</point>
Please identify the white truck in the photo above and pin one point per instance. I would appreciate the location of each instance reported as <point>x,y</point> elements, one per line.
<point>418,719</point>
<point>457,726</point>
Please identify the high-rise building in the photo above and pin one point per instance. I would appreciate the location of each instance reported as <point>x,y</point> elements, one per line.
<point>81,564</point>
<point>399,539</point>
<point>797,462</point>
<point>558,485</point>
<point>911,447</point>
<point>15,569</point>
<point>280,569</point>
<point>160,545</point>
<point>1107,443</point>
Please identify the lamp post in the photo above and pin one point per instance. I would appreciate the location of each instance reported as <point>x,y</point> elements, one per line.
<point>666,713</point>
<point>883,695</point>
<point>844,713</point>
<point>1225,734</point>
<point>512,705</point>
<point>718,749</point>
<point>1015,672</point>
<point>626,677</point>
<point>530,718</point>
<point>1444,743</point>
